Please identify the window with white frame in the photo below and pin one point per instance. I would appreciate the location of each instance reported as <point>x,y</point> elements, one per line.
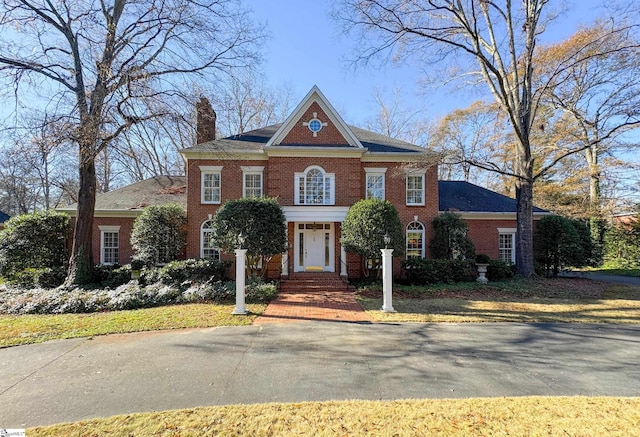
<point>415,240</point>
<point>315,187</point>
<point>375,183</point>
<point>109,244</point>
<point>252,181</point>
<point>207,245</point>
<point>415,188</point>
<point>211,183</point>
<point>506,245</point>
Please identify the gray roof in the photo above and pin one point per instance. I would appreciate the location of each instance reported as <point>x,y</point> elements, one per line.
<point>466,197</point>
<point>256,140</point>
<point>4,217</point>
<point>154,191</point>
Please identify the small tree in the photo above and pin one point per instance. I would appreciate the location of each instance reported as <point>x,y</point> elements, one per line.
<point>159,233</point>
<point>450,240</point>
<point>34,241</point>
<point>559,242</point>
<point>364,229</point>
<point>262,223</point>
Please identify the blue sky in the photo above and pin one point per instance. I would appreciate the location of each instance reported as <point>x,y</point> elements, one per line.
<point>307,48</point>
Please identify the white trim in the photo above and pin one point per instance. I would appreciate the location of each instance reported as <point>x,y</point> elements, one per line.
<point>210,170</point>
<point>202,239</point>
<point>252,170</point>
<point>302,265</point>
<point>375,172</point>
<point>507,230</point>
<point>423,233</point>
<point>303,175</point>
<point>315,213</point>
<point>475,215</point>
<point>108,229</point>
<point>315,152</point>
<point>314,95</point>
<point>226,155</point>
<point>513,242</point>
<point>422,176</point>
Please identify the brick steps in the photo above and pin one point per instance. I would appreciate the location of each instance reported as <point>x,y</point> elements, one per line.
<point>314,283</point>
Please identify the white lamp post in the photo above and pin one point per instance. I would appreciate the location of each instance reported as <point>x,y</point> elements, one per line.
<point>241,255</point>
<point>387,276</point>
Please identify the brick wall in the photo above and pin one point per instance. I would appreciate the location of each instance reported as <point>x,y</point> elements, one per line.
<point>300,134</point>
<point>125,252</point>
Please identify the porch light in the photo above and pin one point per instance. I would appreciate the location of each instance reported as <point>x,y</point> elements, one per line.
<point>387,240</point>
<point>241,240</point>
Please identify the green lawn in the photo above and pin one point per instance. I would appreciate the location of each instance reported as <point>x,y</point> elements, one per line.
<point>25,329</point>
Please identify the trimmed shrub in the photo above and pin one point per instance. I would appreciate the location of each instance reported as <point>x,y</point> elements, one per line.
<point>450,240</point>
<point>263,225</point>
<point>500,270</point>
<point>622,246</point>
<point>364,229</point>
<point>44,278</point>
<point>177,272</point>
<point>34,241</point>
<point>159,234</point>
<point>421,271</point>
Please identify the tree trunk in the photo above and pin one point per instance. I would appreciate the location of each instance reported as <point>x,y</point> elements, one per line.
<point>81,262</point>
<point>524,229</point>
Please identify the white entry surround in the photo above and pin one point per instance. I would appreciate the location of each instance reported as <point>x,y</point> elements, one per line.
<point>314,236</point>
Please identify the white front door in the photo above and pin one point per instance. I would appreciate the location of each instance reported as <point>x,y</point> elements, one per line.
<point>314,247</point>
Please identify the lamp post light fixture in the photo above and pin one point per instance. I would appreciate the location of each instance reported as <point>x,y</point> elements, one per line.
<point>387,240</point>
<point>241,240</point>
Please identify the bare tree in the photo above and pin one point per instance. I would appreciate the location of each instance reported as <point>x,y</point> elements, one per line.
<point>394,119</point>
<point>593,78</point>
<point>244,103</point>
<point>497,36</point>
<point>102,59</point>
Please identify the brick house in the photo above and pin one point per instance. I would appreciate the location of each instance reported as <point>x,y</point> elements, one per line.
<point>317,166</point>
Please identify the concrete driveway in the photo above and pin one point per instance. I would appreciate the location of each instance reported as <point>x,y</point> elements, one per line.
<point>78,379</point>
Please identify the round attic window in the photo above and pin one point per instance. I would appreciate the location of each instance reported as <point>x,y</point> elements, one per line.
<point>315,125</point>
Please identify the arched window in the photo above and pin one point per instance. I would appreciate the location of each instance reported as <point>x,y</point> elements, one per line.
<point>415,240</point>
<point>315,187</point>
<point>207,248</point>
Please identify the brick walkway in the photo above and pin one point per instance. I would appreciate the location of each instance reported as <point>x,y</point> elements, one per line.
<point>299,306</point>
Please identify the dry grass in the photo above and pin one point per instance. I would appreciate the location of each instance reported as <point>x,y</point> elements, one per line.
<point>571,300</point>
<point>26,329</point>
<point>526,416</point>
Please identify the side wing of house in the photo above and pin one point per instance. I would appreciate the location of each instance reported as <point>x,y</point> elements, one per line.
<point>116,211</point>
<point>490,216</point>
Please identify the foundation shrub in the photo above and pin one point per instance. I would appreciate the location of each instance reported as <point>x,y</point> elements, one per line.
<point>421,271</point>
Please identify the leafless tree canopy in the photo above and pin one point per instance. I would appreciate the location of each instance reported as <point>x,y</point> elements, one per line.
<point>102,65</point>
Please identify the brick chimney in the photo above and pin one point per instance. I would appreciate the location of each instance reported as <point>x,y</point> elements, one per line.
<point>206,121</point>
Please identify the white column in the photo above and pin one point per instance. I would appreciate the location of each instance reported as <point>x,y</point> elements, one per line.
<point>343,261</point>
<point>241,255</point>
<point>285,263</point>
<point>387,281</point>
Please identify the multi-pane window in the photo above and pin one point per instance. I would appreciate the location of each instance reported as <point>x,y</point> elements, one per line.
<point>415,240</point>
<point>109,244</point>
<point>375,183</point>
<point>506,247</point>
<point>207,246</point>
<point>252,181</point>
<point>315,187</point>
<point>211,184</point>
<point>415,189</point>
